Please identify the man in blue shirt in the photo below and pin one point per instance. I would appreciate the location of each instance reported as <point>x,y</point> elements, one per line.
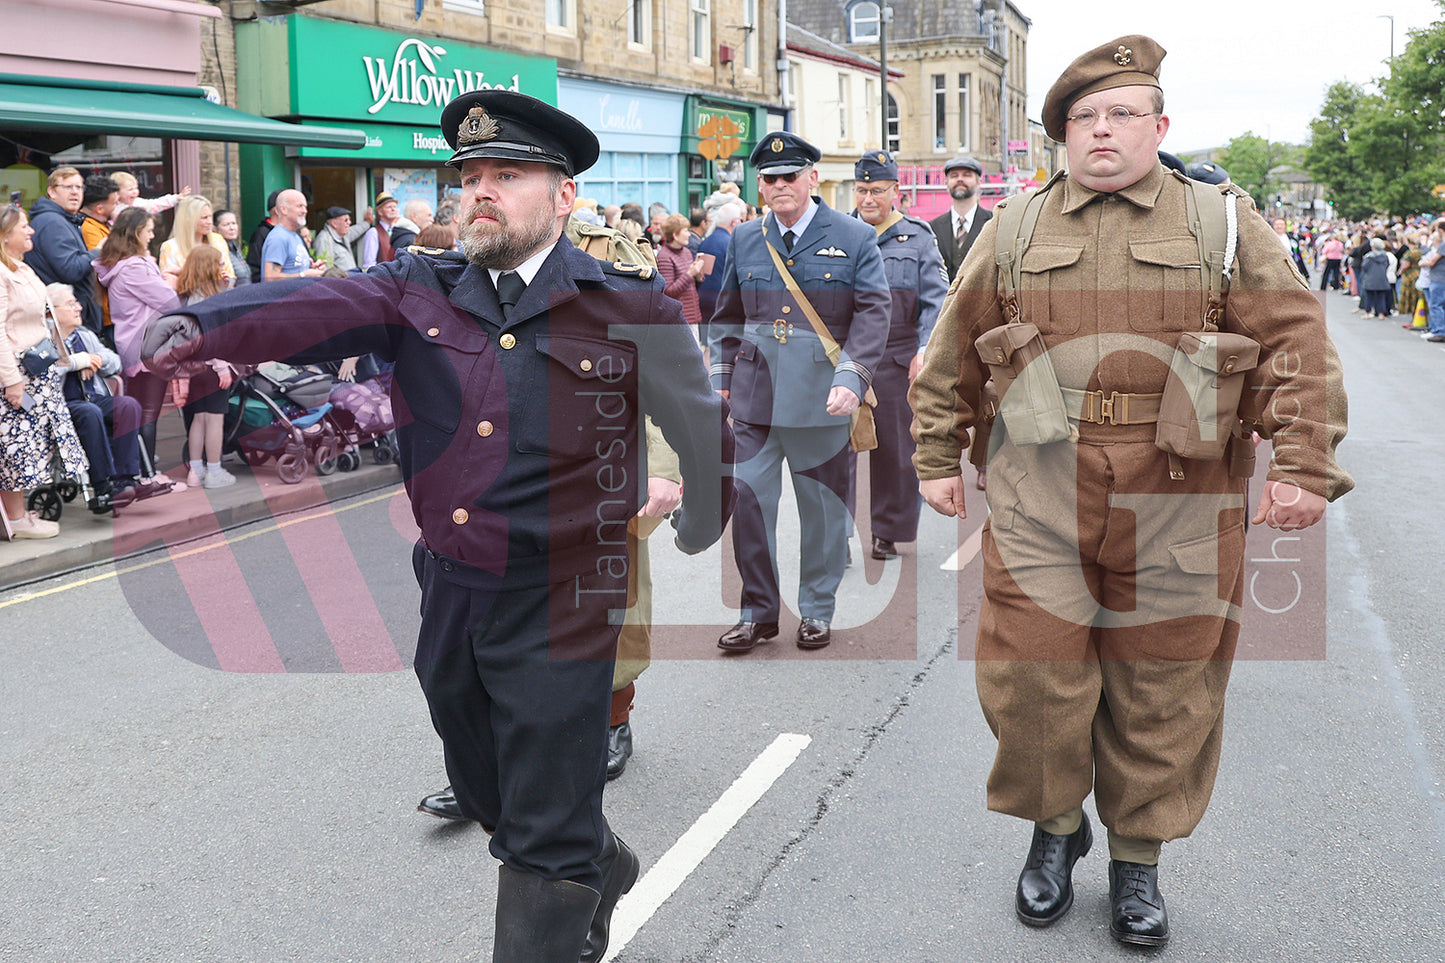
<point>285,254</point>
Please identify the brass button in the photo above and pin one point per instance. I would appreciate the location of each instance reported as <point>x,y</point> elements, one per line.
<point>790,262</point>
<point>507,341</point>
<point>585,364</point>
<point>433,332</point>
<point>787,309</point>
<point>460,516</point>
<point>485,428</point>
<point>829,274</point>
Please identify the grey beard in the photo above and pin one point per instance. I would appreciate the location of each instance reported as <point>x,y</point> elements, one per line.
<point>504,248</point>
<point>962,192</point>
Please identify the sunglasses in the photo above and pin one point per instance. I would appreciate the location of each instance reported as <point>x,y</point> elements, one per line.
<point>771,179</point>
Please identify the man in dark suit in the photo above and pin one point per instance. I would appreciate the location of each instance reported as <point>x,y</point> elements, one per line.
<point>523,370</point>
<point>957,228</point>
<point>790,400</point>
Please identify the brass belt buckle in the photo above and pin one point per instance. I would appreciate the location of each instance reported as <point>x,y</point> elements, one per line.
<point>1113,409</point>
<point>781,330</point>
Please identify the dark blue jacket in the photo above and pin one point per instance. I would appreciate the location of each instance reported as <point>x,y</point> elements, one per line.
<point>59,256</point>
<point>520,439</point>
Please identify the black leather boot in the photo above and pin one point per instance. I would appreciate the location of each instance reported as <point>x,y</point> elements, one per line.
<point>620,866</point>
<point>541,920</point>
<point>1046,885</point>
<point>619,749</point>
<point>1138,914</point>
<point>442,804</point>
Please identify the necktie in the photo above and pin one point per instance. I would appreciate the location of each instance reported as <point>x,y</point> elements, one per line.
<point>509,291</point>
<point>961,236</point>
<point>788,238</point>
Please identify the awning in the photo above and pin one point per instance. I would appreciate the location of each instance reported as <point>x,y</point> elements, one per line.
<point>102,107</point>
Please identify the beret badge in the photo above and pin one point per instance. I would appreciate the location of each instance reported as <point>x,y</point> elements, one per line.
<point>1124,55</point>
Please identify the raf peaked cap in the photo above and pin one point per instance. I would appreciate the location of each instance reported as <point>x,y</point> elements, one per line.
<point>513,126</point>
<point>782,152</point>
<point>1131,61</point>
<point>876,165</point>
<point>963,163</point>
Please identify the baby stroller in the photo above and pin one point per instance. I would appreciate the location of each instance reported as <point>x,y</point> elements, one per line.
<point>362,414</point>
<point>282,413</point>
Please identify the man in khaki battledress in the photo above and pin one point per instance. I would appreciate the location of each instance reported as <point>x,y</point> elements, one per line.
<point>1112,570</point>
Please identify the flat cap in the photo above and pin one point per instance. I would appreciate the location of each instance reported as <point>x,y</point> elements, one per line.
<point>782,152</point>
<point>877,165</point>
<point>1131,61</point>
<point>963,162</point>
<point>513,126</point>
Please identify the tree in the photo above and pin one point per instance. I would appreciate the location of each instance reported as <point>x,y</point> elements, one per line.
<point>1329,157</point>
<point>1249,158</point>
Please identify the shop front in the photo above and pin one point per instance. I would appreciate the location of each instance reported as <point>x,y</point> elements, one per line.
<point>142,113</point>
<point>637,130</point>
<point>390,85</point>
<point>717,138</point>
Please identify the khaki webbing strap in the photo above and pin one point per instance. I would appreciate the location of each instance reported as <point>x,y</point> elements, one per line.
<point>1212,217</point>
<point>1016,222</point>
<point>1114,408</point>
<point>830,343</point>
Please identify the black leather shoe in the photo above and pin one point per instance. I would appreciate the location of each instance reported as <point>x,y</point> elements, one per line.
<point>1046,885</point>
<point>746,635</point>
<point>620,866</point>
<point>814,634</point>
<point>442,804</point>
<point>1138,915</point>
<point>619,749</point>
<point>882,548</point>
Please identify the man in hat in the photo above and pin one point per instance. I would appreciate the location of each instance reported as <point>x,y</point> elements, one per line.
<point>334,240</point>
<point>958,227</point>
<point>1113,572</point>
<point>523,370</point>
<point>918,281</point>
<point>390,233</point>
<point>803,267</point>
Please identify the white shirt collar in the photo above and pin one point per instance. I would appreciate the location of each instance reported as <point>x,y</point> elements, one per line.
<point>527,269</point>
<point>966,220</point>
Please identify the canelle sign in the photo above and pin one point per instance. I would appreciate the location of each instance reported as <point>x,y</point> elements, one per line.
<point>414,75</point>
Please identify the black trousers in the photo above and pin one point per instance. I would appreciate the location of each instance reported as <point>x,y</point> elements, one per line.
<point>519,683</point>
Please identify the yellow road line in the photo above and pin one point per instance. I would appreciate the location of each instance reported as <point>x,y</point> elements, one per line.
<point>214,544</point>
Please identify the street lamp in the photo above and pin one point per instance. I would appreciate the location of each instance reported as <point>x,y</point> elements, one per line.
<point>885,14</point>
<point>1390,17</point>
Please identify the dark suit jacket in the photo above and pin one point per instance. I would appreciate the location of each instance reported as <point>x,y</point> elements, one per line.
<point>953,255</point>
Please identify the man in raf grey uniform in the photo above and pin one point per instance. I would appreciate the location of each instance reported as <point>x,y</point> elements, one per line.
<point>959,226</point>
<point>523,370</point>
<point>916,276</point>
<point>789,400</point>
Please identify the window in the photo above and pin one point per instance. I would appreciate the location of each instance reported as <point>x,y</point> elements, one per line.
<point>963,112</point>
<point>894,140</point>
<point>561,15</point>
<point>842,107</point>
<point>477,7</point>
<point>940,112</point>
<point>863,22</point>
<point>750,35</point>
<point>700,29</point>
<point>639,23</point>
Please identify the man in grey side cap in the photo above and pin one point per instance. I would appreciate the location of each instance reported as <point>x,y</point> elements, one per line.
<point>957,227</point>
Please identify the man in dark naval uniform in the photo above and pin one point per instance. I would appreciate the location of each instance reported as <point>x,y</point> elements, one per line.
<point>918,282</point>
<point>523,370</point>
<point>789,398</point>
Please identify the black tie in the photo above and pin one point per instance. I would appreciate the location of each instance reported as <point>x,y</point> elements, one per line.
<point>788,238</point>
<point>509,291</point>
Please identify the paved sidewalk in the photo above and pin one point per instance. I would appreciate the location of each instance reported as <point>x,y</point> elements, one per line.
<point>86,539</point>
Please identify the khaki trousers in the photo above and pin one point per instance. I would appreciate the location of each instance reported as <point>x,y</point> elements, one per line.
<point>1109,625</point>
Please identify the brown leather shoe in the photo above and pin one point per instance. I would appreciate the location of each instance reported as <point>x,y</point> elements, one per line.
<point>746,635</point>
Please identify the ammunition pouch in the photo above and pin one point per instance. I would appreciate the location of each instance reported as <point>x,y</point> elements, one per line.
<point>1030,401</point>
<point>1199,410</point>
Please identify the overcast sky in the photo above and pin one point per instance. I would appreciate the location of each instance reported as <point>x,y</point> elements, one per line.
<point>1232,65</point>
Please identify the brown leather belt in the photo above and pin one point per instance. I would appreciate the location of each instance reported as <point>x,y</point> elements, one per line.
<point>1113,408</point>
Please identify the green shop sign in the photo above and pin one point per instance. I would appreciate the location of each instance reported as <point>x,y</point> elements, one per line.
<point>743,119</point>
<point>299,66</point>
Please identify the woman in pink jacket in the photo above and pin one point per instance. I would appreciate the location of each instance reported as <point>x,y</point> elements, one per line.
<point>680,270</point>
<point>1333,251</point>
<point>138,295</point>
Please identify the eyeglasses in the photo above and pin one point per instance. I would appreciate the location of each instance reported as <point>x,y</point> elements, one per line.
<point>771,179</point>
<point>1117,117</point>
<point>872,191</point>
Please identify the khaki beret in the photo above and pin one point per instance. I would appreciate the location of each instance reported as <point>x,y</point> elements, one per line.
<point>1131,61</point>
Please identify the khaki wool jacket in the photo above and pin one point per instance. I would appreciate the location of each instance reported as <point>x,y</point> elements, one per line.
<point>1111,281</point>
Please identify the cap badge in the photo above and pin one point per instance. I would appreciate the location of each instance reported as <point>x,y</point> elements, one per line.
<point>776,146</point>
<point>882,158</point>
<point>477,126</point>
<point>1124,55</point>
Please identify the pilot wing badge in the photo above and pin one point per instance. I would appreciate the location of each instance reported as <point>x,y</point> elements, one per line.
<point>831,252</point>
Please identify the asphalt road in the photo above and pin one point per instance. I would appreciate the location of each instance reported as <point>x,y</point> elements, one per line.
<point>155,807</point>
